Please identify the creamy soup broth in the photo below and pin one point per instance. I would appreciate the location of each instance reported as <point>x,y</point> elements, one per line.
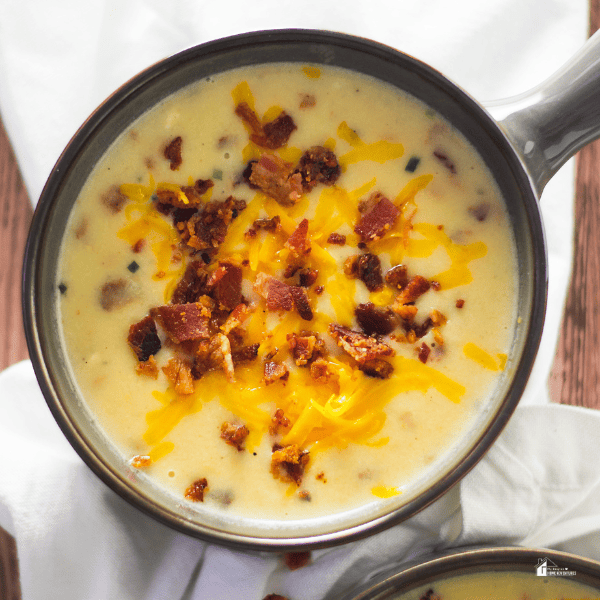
<point>494,585</point>
<point>451,229</point>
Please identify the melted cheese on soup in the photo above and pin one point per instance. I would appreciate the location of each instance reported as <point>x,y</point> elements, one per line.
<point>411,229</point>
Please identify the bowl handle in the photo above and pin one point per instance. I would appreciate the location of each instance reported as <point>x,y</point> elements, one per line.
<point>548,124</point>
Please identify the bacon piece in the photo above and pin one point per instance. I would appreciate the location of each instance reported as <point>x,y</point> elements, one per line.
<point>407,312</point>
<point>234,435</point>
<point>172,153</point>
<point>277,293</point>
<point>115,294</point>
<point>460,303</point>
<point>359,346</point>
<point>114,199</point>
<point>276,178</point>
<point>397,276</point>
<point>369,271</point>
<point>212,354</point>
<point>143,338</point>
<point>374,320</point>
<point>244,354</point>
<point>278,422</point>
<point>336,238</point>
<point>302,303</point>
<point>418,330</point>
<point>445,160</point>
<point>238,315</point>
<point>271,135</point>
<point>206,229</point>
<point>179,373</point>
<point>377,219</point>
<point>413,290</point>
<point>148,368</point>
<point>318,165</point>
<point>192,285</point>
<point>272,225</point>
<point>183,321</point>
<point>319,370</point>
<point>302,346</point>
<point>195,492</point>
<point>377,367</point>
<point>424,351</point>
<point>225,285</point>
<point>288,463</point>
<point>273,371</point>
<point>298,242</point>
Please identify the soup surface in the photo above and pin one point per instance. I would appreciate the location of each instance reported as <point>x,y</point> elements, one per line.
<point>287,291</point>
<point>494,585</point>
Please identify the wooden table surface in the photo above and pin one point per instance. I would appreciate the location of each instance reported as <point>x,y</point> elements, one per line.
<point>575,377</point>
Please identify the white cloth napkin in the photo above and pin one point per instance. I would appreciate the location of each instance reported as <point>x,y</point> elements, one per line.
<point>539,485</point>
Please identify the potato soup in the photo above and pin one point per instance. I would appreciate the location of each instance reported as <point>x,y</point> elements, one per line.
<point>495,585</point>
<point>287,291</point>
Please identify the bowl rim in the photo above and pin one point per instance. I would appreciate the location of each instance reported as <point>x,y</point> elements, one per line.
<point>31,292</point>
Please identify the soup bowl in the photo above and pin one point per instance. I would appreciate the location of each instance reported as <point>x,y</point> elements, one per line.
<point>530,139</point>
<point>485,572</point>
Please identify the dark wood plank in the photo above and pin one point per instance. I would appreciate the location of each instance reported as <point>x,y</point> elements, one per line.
<point>15,216</point>
<point>575,377</point>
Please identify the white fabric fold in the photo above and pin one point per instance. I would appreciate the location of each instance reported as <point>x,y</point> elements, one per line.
<point>538,485</point>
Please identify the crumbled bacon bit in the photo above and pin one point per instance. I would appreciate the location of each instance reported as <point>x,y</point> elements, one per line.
<point>115,294</point>
<point>298,242</point>
<point>437,318</point>
<point>183,321</point>
<point>244,354</point>
<point>296,560</point>
<point>192,285</point>
<point>274,371</point>
<point>437,336</point>
<point>179,373</point>
<point>288,463</point>
<point>205,230</point>
<point>436,286</point>
<point>273,134</point>
<point>319,370</point>
<point>377,367</point>
<point>276,178</point>
<point>460,303</point>
<point>143,339</point>
<point>140,461</point>
<point>445,160</point>
<point>225,285</point>
<point>148,368</point>
<point>138,246</point>
<point>397,276</point>
<point>369,271</point>
<point>114,199</point>
<point>302,303</point>
<point>307,276</point>
<point>319,290</point>
<point>337,239</point>
<point>414,289</point>
<point>375,221</point>
<point>195,492</point>
<point>277,293</point>
<point>172,153</point>
<point>374,320</point>
<point>273,224</point>
<point>424,351</point>
<point>201,186</point>
<point>418,331</point>
<point>238,315</point>
<point>318,165</point>
<point>234,435</point>
<point>359,346</point>
<point>302,346</point>
<point>278,422</point>
<point>351,267</point>
<point>407,312</point>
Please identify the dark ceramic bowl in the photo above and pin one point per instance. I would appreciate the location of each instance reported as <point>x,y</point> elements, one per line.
<point>521,168</point>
